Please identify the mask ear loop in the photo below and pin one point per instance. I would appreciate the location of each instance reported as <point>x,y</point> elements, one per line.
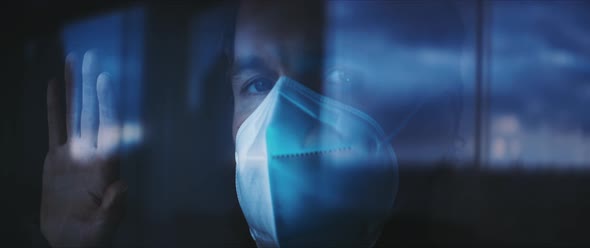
<point>404,122</point>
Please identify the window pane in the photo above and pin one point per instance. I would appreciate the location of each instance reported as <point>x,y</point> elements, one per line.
<point>413,66</point>
<point>540,84</point>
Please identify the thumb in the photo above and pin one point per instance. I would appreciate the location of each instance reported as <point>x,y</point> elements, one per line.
<point>114,201</point>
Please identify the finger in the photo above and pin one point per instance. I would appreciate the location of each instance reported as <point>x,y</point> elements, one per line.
<point>89,114</point>
<point>55,115</point>
<point>114,201</point>
<point>108,128</point>
<point>72,104</point>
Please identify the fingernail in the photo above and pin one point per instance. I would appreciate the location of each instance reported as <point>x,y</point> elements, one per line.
<point>104,76</point>
<point>89,62</point>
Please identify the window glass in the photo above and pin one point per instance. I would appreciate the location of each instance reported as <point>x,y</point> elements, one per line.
<point>539,84</point>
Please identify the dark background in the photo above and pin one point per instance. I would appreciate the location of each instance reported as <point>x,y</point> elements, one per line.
<point>175,202</point>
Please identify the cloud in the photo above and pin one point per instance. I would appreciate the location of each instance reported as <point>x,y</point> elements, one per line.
<point>541,62</point>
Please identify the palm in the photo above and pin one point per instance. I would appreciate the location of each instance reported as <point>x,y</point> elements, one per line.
<point>82,198</point>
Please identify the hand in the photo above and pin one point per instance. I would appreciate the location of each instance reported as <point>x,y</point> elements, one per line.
<point>83,199</point>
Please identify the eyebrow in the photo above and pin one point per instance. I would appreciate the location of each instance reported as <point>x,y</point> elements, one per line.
<point>249,63</point>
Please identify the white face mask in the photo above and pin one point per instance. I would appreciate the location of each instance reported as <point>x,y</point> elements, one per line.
<point>312,171</point>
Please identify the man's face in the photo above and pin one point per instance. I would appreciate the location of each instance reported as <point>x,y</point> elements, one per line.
<point>350,56</point>
<point>272,40</point>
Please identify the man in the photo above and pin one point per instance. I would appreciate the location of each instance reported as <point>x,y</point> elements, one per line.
<point>322,95</point>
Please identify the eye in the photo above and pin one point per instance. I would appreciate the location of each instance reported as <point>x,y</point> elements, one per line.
<point>340,77</point>
<point>259,85</point>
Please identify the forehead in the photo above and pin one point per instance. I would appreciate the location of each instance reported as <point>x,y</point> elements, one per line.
<point>287,31</point>
<point>278,29</point>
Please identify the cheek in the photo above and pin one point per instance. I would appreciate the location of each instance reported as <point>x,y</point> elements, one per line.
<point>241,113</point>
<point>237,122</point>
